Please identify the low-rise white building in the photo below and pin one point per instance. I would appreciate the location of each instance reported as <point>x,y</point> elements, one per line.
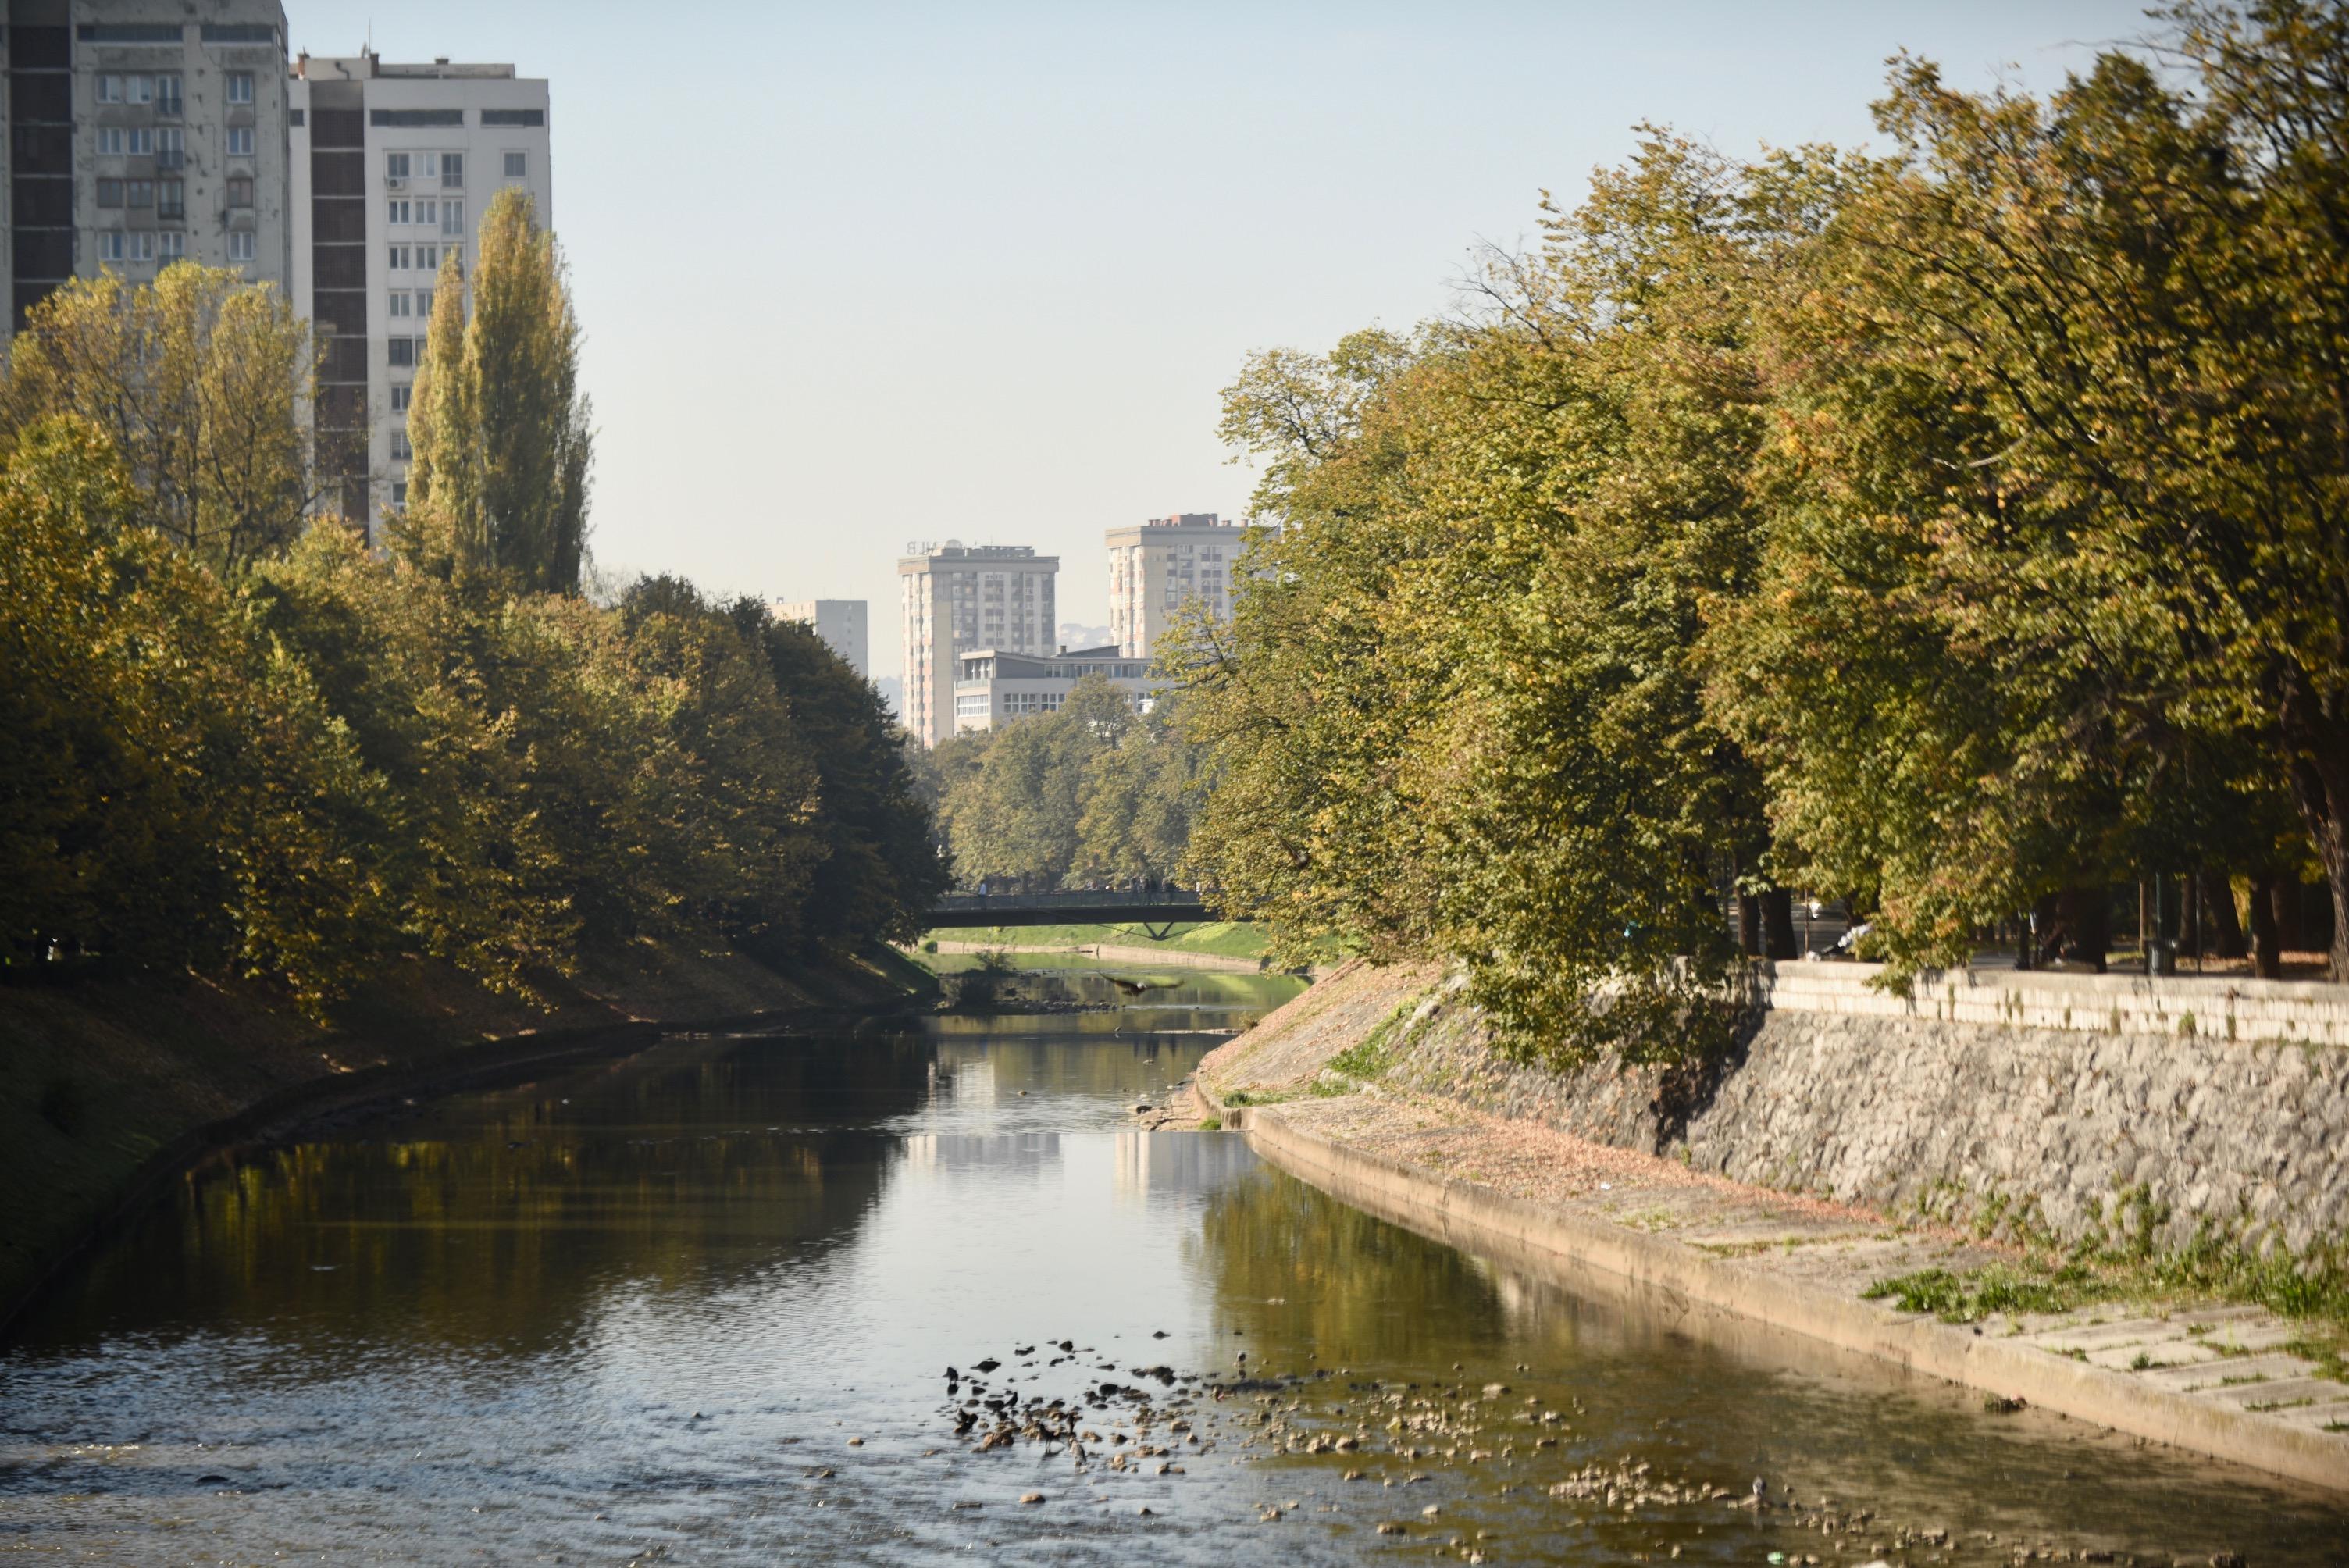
<point>994,686</point>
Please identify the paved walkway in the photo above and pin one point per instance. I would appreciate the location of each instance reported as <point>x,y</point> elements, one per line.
<point>2210,1376</point>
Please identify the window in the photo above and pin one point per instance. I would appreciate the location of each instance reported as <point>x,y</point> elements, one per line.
<point>240,246</point>
<point>167,95</point>
<point>400,350</point>
<point>424,302</point>
<point>517,165</point>
<point>110,90</point>
<point>138,246</point>
<point>395,166</point>
<point>401,393</point>
<point>111,141</point>
<point>395,210</point>
<point>172,245</point>
<point>427,258</point>
<point>399,492</point>
<point>398,302</point>
<point>110,244</point>
<point>109,192</point>
<point>428,212</point>
<point>172,147</point>
<point>240,141</point>
<point>139,193</point>
<point>142,141</point>
<point>396,258</point>
<point>532,116</point>
<point>172,198</point>
<point>240,192</point>
<point>400,450</point>
<point>452,172</point>
<point>240,87</point>
<point>138,89</point>
<point>452,218</point>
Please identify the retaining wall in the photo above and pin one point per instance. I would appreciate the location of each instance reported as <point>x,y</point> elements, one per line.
<point>2066,1108</point>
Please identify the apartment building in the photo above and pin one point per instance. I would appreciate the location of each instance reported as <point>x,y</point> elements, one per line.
<point>956,598</point>
<point>392,166</point>
<point>839,621</point>
<point>1157,567</point>
<point>993,688</point>
<point>140,132</point>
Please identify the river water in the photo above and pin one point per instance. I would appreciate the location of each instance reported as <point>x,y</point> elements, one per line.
<point>698,1306</point>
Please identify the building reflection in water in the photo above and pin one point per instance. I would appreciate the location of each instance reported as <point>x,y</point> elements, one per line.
<point>1178,1164</point>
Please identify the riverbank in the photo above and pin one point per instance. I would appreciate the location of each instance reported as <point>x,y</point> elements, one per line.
<point>108,1087</point>
<point>1325,1087</point>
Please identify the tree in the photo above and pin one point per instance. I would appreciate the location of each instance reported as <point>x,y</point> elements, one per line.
<point>499,429</point>
<point>197,379</point>
<point>2060,590</point>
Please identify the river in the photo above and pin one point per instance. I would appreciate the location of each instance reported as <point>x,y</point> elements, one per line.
<point>698,1306</point>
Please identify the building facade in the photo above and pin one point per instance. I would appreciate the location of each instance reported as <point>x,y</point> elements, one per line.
<point>993,688</point>
<point>954,598</point>
<point>1157,568</point>
<point>392,166</point>
<point>839,621</point>
<point>142,132</point>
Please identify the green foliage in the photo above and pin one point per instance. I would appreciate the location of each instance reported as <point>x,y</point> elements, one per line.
<point>1937,532</point>
<point>1092,791</point>
<point>1973,1296</point>
<point>499,484</point>
<point>194,379</point>
<point>340,760</point>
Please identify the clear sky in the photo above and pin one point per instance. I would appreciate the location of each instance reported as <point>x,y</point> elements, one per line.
<point>858,273</point>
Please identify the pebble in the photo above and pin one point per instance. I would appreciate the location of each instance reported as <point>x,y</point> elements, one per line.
<point>1032,1497</point>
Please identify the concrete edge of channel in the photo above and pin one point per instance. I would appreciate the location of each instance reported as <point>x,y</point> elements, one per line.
<point>1466,1211</point>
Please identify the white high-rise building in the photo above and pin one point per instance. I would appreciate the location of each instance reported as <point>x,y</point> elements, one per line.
<point>392,166</point>
<point>956,597</point>
<point>1155,568</point>
<point>839,621</point>
<point>141,132</point>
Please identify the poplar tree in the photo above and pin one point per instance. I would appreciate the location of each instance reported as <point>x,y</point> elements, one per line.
<point>498,487</point>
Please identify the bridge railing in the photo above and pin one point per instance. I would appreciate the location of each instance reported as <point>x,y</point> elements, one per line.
<point>983,902</point>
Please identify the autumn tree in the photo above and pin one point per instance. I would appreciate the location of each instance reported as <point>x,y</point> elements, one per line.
<point>198,380</point>
<point>499,429</point>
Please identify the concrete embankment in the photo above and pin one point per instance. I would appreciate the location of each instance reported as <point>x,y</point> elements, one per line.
<point>108,1090</point>
<point>1498,1163</point>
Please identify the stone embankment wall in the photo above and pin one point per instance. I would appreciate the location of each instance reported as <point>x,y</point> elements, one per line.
<point>2058,1108</point>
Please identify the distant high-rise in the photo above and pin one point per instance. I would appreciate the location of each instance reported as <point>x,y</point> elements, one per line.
<point>141,132</point>
<point>1156,567</point>
<point>956,597</point>
<point>839,621</point>
<point>393,165</point>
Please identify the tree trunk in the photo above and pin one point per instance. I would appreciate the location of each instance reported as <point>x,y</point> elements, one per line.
<point>2085,917</point>
<point>1778,924</point>
<point>2267,937</point>
<point>2225,926</point>
<point>1749,924</point>
<point>2316,729</point>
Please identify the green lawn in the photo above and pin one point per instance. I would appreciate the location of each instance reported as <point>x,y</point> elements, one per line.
<point>1228,939</point>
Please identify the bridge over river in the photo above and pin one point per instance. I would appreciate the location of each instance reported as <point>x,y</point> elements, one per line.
<point>1172,906</point>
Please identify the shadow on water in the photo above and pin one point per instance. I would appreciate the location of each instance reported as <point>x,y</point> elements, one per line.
<point>700,1301</point>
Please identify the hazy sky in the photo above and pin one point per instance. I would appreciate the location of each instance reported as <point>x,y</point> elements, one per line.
<point>853,274</point>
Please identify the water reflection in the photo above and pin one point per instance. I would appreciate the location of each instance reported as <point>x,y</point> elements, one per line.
<point>644,1307</point>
